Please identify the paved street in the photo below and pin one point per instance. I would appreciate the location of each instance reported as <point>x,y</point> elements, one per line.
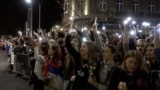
<point>9,81</point>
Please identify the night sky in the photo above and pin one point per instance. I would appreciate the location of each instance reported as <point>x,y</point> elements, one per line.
<point>13,15</point>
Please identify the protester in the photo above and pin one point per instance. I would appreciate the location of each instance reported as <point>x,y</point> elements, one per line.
<point>53,70</point>
<point>86,64</point>
<point>131,75</point>
<point>105,68</point>
<point>39,54</point>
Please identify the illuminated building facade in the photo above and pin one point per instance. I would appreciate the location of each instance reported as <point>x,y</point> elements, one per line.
<point>84,11</point>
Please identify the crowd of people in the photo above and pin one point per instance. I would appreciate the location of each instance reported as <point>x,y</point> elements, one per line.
<point>63,60</point>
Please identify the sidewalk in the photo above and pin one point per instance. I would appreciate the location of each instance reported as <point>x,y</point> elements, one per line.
<point>9,81</point>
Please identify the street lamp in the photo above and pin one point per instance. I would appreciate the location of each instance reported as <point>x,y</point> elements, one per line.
<point>30,16</point>
<point>28,1</point>
<point>39,14</point>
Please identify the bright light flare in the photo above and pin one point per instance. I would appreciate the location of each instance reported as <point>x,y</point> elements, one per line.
<point>103,28</point>
<point>61,29</point>
<point>120,36</point>
<point>40,38</point>
<point>84,39</point>
<point>57,26</point>
<point>132,32</point>
<point>85,28</point>
<point>71,18</point>
<point>28,1</point>
<point>98,32</point>
<point>20,33</point>
<point>146,24</point>
<point>127,20</point>
<point>72,31</point>
<point>133,22</point>
<point>140,31</point>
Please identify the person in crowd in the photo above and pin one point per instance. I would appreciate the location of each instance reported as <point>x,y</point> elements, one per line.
<point>7,46</point>
<point>131,75</point>
<point>128,42</point>
<point>140,46</point>
<point>120,52</point>
<point>156,42</point>
<point>156,49</point>
<point>106,66</point>
<point>11,56</point>
<point>10,53</point>
<point>85,62</point>
<point>53,69</point>
<point>69,70</point>
<point>152,64</point>
<point>40,53</point>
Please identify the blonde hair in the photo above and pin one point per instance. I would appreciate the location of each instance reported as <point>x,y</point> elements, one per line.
<point>139,58</point>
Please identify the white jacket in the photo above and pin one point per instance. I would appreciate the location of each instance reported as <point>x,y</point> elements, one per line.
<point>40,61</point>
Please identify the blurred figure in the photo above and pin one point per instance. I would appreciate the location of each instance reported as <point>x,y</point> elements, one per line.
<point>140,46</point>
<point>152,64</point>
<point>131,75</point>
<point>69,70</point>
<point>39,54</point>
<point>106,66</point>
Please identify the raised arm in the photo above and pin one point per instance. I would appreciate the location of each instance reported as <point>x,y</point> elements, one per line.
<point>156,42</point>
<point>126,39</point>
<point>73,52</point>
<point>37,56</point>
<point>98,40</point>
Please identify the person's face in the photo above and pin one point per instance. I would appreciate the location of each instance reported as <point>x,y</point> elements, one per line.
<point>84,49</point>
<point>131,64</point>
<point>149,52</point>
<point>66,51</point>
<point>119,45</point>
<point>50,51</point>
<point>140,46</point>
<point>107,54</point>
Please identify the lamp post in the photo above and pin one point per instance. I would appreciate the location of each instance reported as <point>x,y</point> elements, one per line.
<point>30,16</point>
<point>39,14</point>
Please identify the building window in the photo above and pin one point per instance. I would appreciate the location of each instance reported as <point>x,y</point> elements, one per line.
<point>151,6</point>
<point>135,4</point>
<point>119,5</point>
<point>103,5</point>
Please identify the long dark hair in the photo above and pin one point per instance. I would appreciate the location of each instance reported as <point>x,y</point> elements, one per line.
<point>93,54</point>
<point>113,51</point>
<point>55,55</point>
<point>44,47</point>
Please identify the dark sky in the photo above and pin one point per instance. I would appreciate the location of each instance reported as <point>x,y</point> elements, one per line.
<point>13,14</point>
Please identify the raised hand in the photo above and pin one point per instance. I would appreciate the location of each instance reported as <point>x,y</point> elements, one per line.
<point>122,86</point>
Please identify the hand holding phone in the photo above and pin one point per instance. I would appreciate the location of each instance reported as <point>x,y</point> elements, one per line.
<point>94,27</point>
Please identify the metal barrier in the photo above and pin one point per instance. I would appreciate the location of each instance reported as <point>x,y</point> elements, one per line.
<point>22,64</point>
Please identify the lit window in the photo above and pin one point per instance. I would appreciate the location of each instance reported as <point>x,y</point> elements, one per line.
<point>119,5</point>
<point>135,4</point>
<point>103,5</point>
<point>151,6</point>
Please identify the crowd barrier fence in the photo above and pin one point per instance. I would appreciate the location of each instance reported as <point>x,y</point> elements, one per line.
<point>22,64</point>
